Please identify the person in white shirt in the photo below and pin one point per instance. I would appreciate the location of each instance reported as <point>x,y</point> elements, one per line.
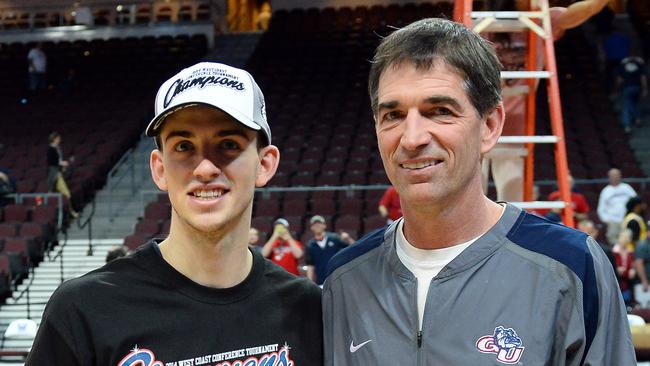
<point>37,67</point>
<point>611,204</point>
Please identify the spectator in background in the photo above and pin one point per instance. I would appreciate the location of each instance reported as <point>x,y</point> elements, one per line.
<point>263,17</point>
<point>624,254</point>
<point>322,247</point>
<point>587,226</point>
<point>642,266</point>
<point>282,248</point>
<point>69,82</point>
<point>37,68</point>
<point>616,47</point>
<point>390,206</point>
<point>632,83</point>
<point>253,239</point>
<point>7,186</point>
<point>580,205</point>
<point>611,204</point>
<point>116,252</point>
<point>56,165</point>
<point>635,219</point>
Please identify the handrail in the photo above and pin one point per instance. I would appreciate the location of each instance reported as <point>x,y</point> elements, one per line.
<point>116,175</point>
<point>18,199</point>
<point>27,289</point>
<point>88,223</point>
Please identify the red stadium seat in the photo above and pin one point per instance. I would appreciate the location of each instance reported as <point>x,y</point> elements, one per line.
<point>15,213</point>
<point>157,211</point>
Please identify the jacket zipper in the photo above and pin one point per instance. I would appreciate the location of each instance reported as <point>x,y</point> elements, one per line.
<point>419,339</point>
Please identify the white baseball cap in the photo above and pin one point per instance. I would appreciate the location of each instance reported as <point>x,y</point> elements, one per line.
<point>227,88</point>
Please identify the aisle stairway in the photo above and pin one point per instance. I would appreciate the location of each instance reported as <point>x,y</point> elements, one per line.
<point>117,210</point>
<point>46,278</point>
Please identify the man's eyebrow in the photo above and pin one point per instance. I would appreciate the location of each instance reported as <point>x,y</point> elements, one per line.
<point>435,99</point>
<point>236,132</point>
<point>387,105</point>
<point>223,133</point>
<point>443,99</point>
<point>179,133</point>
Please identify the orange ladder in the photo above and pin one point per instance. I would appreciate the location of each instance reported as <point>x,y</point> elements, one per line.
<point>529,21</point>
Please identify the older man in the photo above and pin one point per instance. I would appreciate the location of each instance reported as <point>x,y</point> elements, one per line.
<point>460,279</point>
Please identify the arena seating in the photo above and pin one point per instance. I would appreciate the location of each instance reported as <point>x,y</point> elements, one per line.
<point>318,107</point>
<point>100,114</point>
<point>639,11</point>
<point>144,14</point>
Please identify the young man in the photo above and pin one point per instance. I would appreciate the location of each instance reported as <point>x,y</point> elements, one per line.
<point>199,297</point>
<point>322,247</point>
<point>461,280</point>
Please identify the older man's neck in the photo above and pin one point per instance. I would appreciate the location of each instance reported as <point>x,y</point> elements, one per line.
<point>446,225</point>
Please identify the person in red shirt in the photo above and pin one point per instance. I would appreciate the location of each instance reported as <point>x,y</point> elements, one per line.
<point>389,205</point>
<point>580,205</point>
<point>282,248</point>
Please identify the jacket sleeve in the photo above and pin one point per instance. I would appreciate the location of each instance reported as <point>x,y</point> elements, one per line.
<point>327,326</point>
<point>612,342</point>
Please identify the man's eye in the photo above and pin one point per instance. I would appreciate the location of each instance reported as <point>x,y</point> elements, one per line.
<point>392,116</point>
<point>229,145</point>
<point>442,111</point>
<point>183,146</point>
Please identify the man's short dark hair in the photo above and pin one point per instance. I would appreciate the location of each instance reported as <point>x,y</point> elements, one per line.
<point>632,203</point>
<point>426,41</point>
<point>116,252</point>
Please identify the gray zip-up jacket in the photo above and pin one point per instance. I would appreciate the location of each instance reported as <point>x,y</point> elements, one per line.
<point>527,292</point>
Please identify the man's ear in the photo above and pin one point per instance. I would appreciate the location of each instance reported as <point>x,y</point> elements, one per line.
<point>491,128</point>
<point>269,160</point>
<point>158,169</point>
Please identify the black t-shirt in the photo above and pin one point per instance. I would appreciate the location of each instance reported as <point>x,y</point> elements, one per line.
<point>139,311</point>
<point>53,156</point>
<point>631,70</point>
<point>634,226</point>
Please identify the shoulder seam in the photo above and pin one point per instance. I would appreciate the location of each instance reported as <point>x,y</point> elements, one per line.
<point>338,272</point>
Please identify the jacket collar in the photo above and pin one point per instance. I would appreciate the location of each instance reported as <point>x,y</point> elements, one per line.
<point>482,248</point>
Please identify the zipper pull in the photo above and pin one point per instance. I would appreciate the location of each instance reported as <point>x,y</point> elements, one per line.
<point>419,338</point>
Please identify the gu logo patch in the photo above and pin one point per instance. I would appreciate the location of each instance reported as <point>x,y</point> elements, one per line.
<point>505,343</point>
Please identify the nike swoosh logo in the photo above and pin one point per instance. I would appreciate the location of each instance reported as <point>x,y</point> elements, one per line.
<point>354,348</point>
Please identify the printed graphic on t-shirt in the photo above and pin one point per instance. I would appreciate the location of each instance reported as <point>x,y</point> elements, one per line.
<point>280,251</point>
<point>269,355</point>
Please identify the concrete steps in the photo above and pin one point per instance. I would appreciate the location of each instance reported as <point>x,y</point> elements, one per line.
<point>46,278</point>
